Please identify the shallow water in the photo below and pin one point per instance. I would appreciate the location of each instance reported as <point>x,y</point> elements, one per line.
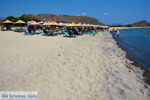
<point>137,43</point>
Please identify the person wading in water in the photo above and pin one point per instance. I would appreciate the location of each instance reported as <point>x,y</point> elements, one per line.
<point>118,33</point>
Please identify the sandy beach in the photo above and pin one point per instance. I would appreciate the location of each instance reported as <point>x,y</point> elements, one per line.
<point>84,68</point>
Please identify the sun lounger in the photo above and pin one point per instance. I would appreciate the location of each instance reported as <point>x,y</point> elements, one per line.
<point>26,32</point>
<point>93,32</point>
<point>97,32</point>
<point>55,33</point>
<point>43,33</point>
<point>67,35</point>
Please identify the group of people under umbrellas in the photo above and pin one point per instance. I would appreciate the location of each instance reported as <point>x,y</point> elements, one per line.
<point>53,28</point>
<point>7,25</point>
<point>69,31</point>
<point>72,31</point>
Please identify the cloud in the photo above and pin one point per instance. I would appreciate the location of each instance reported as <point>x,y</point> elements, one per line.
<point>106,14</point>
<point>83,14</point>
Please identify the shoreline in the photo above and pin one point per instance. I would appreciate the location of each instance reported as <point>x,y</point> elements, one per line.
<point>111,28</point>
<point>146,73</point>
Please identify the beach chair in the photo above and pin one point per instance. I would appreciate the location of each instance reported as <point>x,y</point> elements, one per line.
<point>26,32</point>
<point>50,33</point>
<point>93,32</point>
<point>62,32</point>
<point>43,33</point>
<point>33,31</point>
<point>97,32</point>
<point>67,35</point>
<point>55,33</point>
<point>37,32</point>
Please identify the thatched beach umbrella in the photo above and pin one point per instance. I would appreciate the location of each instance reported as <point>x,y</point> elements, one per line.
<point>20,22</point>
<point>96,26</point>
<point>47,24</point>
<point>7,22</point>
<point>44,24</point>
<point>72,25</point>
<point>62,24</point>
<point>79,24</point>
<point>34,23</point>
<point>54,23</point>
<point>41,22</point>
<point>87,25</point>
<point>51,24</point>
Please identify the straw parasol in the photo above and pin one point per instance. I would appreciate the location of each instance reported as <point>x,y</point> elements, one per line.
<point>72,25</point>
<point>7,22</point>
<point>34,23</point>
<point>45,24</point>
<point>62,24</point>
<point>20,22</point>
<point>87,25</point>
<point>52,23</point>
<point>79,24</point>
<point>41,22</point>
<point>84,25</point>
<point>96,25</point>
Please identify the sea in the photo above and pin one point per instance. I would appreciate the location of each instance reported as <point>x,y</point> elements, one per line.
<point>136,42</point>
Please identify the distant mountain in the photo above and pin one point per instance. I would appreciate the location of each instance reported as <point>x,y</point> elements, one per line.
<point>69,19</point>
<point>62,18</point>
<point>142,23</point>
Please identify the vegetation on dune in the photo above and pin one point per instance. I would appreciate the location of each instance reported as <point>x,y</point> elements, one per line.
<point>23,17</point>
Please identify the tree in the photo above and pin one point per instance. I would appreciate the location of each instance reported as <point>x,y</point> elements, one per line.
<point>129,25</point>
<point>12,18</point>
<point>23,18</point>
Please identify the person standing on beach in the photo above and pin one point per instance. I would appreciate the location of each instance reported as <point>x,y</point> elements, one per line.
<point>118,33</point>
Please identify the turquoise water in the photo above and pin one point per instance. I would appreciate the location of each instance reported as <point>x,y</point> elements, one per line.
<point>137,43</point>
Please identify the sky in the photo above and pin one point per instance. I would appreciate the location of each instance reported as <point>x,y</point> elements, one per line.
<point>106,11</point>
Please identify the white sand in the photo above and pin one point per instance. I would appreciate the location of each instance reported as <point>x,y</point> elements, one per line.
<point>60,68</point>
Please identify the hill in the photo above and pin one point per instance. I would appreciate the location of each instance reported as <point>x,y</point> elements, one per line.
<point>62,18</point>
<point>142,23</point>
